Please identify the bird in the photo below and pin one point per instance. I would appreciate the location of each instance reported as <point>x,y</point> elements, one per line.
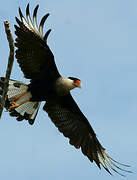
<point>23,100</point>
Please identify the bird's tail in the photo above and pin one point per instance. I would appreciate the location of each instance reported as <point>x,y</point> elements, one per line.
<point>18,101</point>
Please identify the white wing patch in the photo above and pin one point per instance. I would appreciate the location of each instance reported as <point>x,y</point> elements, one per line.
<point>31,24</point>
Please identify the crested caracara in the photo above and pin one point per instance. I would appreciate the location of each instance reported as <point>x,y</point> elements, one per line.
<point>46,84</point>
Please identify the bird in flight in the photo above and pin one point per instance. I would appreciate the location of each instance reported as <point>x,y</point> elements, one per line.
<point>46,84</point>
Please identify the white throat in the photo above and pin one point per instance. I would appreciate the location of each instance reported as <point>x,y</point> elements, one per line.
<point>64,85</point>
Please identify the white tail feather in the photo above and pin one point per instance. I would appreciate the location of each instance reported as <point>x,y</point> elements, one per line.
<point>29,108</point>
<point>19,89</point>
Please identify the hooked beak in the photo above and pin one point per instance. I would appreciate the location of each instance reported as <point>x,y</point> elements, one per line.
<point>78,84</point>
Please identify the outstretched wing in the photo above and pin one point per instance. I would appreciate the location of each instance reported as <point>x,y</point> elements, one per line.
<point>33,54</point>
<point>70,121</point>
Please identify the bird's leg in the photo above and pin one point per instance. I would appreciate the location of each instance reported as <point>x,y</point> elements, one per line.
<point>15,105</point>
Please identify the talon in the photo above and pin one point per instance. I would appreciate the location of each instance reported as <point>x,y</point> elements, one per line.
<point>13,106</point>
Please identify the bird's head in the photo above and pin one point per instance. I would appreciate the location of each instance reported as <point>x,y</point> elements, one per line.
<point>76,82</point>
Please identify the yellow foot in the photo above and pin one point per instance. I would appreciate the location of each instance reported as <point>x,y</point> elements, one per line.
<point>13,106</point>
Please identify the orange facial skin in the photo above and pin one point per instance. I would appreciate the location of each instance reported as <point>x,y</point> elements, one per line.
<point>77,83</point>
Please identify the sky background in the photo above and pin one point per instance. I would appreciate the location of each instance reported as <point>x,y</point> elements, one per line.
<point>95,41</point>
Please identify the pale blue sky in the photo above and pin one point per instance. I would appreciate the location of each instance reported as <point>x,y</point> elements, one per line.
<point>95,41</point>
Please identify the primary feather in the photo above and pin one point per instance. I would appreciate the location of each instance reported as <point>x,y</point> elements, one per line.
<point>70,121</point>
<point>46,84</point>
<point>33,54</point>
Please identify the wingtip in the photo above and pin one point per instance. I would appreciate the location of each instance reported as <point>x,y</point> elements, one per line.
<point>35,11</point>
<point>119,162</point>
<point>42,23</point>
<point>15,26</point>
<point>20,13</point>
<point>37,6</point>
<point>44,19</point>
<point>27,9</point>
<point>113,165</point>
<point>47,34</point>
<point>28,5</point>
<point>17,20</point>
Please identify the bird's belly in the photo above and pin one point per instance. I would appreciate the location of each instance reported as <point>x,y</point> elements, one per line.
<point>41,91</point>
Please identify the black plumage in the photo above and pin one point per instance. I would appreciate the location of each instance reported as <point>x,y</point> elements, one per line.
<point>68,118</point>
<point>33,54</point>
<point>37,63</point>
